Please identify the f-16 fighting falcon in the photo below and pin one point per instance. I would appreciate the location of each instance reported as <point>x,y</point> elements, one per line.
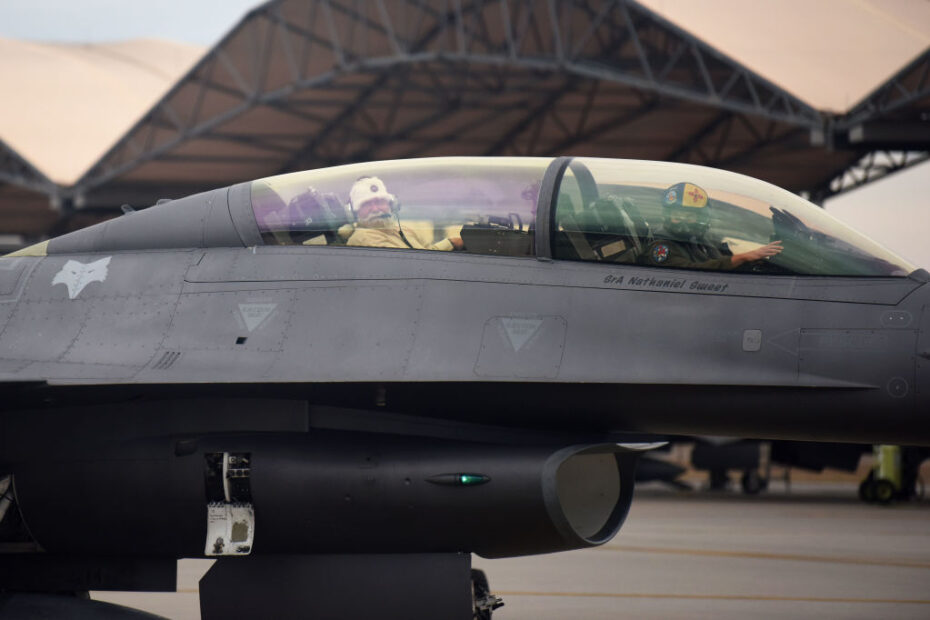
<point>251,375</point>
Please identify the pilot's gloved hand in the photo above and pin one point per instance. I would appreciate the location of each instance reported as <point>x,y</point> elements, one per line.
<point>766,251</point>
<point>345,231</point>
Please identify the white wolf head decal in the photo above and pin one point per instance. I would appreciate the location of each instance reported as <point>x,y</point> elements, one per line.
<point>77,275</point>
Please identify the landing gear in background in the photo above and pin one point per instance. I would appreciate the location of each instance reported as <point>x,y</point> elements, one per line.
<point>874,490</point>
<point>752,458</point>
<point>752,482</point>
<point>867,489</point>
<point>483,602</point>
<point>894,476</point>
<point>718,480</point>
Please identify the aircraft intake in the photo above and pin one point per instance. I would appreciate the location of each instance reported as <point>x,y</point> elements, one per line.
<point>324,492</point>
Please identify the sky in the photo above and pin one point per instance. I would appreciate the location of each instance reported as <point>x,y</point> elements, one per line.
<point>199,22</point>
<point>894,211</point>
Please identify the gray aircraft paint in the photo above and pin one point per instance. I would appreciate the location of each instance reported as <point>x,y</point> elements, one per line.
<point>189,295</point>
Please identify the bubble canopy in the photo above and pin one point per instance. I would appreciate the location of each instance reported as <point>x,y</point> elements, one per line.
<point>587,209</point>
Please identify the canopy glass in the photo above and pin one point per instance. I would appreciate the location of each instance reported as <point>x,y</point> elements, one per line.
<point>644,213</point>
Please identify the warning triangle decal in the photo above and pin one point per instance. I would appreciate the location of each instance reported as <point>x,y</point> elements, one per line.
<point>255,314</point>
<point>519,331</point>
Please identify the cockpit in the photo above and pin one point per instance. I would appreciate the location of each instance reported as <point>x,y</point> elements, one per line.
<point>579,209</point>
<point>489,203</point>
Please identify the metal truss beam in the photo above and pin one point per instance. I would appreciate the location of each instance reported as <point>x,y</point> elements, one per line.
<point>534,114</point>
<point>15,170</point>
<point>871,167</point>
<point>286,52</point>
<point>458,130</point>
<point>908,86</point>
<point>693,143</point>
<point>619,120</point>
<point>740,157</point>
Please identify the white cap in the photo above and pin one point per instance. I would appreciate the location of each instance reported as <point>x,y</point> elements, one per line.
<point>368,188</point>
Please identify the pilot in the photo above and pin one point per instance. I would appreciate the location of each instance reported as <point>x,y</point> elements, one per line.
<point>682,241</point>
<point>378,225</point>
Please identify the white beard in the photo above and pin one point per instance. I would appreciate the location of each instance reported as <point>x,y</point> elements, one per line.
<point>382,221</point>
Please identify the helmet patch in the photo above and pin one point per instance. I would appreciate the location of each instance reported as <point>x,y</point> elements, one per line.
<point>660,253</point>
<point>693,196</point>
<point>671,196</point>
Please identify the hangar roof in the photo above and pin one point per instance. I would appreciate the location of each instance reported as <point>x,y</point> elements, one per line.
<point>307,84</point>
<point>830,53</point>
<point>66,104</point>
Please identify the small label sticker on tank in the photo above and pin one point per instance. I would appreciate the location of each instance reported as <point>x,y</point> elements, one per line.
<point>230,529</point>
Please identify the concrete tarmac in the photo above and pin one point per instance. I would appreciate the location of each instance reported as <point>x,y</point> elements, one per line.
<point>814,553</point>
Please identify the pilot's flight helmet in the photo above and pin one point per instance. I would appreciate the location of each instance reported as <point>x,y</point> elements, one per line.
<point>686,208</point>
<point>369,188</point>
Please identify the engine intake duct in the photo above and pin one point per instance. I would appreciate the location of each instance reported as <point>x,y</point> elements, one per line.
<point>334,492</point>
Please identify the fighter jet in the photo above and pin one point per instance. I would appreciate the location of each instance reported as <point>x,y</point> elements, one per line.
<point>340,383</point>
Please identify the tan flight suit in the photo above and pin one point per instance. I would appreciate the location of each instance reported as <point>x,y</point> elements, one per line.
<point>390,238</point>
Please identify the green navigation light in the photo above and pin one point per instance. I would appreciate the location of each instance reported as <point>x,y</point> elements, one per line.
<point>459,480</point>
<point>471,479</point>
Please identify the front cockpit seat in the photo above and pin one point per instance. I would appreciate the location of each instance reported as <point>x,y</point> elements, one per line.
<point>610,229</point>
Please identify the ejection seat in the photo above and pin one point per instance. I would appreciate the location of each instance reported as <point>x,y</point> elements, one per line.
<point>318,219</point>
<point>309,218</point>
<point>609,229</point>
